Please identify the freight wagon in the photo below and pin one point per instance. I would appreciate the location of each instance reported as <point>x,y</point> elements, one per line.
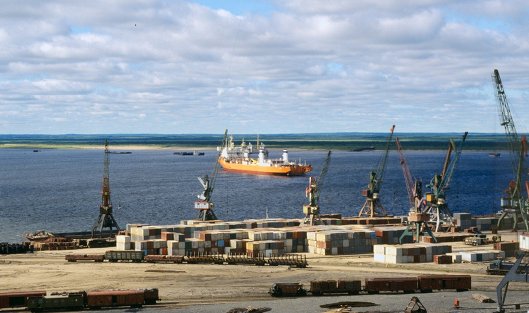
<point>422,283</point>
<point>91,300</point>
<point>320,287</point>
<point>428,283</point>
<point>18,299</point>
<point>287,290</point>
<point>127,255</point>
<point>138,256</point>
<point>56,302</point>
<point>396,284</point>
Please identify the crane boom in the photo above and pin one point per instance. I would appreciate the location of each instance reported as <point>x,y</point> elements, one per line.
<point>217,165</point>
<point>323,173</point>
<point>382,164</point>
<point>506,118</point>
<point>407,174</point>
<point>449,172</point>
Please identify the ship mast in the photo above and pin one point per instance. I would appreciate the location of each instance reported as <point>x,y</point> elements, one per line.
<point>106,219</point>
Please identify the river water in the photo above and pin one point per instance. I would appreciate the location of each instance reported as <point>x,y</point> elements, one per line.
<point>59,190</point>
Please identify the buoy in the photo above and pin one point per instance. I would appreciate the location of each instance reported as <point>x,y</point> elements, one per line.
<point>456,303</point>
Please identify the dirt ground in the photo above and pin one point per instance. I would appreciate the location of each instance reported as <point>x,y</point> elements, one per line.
<point>191,286</point>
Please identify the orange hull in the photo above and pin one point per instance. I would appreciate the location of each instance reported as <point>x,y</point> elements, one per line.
<point>282,170</point>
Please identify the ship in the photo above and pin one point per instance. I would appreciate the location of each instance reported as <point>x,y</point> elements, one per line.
<point>237,159</point>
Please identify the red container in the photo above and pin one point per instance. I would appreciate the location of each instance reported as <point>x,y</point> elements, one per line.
<point>442,259</point>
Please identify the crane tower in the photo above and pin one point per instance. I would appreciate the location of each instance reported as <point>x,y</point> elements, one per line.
<point>373,207</point>
<point>512,204</point>
<point>204,204</point>
<point>105,219</point>
<point>312,192</point>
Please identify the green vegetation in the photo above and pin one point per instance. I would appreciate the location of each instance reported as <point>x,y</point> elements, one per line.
<point>334,141</point>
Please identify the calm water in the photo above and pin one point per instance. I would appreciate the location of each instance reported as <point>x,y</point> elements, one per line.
<point>59,190</point>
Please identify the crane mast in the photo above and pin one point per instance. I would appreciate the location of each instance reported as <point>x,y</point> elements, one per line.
<point>513,204</point>
<point>105,219</point>
<point>372,206</point>
<point>312,192</point>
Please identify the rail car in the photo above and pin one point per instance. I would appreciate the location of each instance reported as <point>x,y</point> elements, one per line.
<point>39,301</point>
<point>18,299</point>
<point>421,283</point>
<point>320,287</point>
<point>138,256</point>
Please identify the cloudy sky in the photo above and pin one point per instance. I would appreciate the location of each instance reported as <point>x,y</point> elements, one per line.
<point>257,66</point>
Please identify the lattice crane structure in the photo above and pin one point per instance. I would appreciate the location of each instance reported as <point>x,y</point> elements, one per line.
<point>512,203</point>
<point>106,219</point>
<point>417,218</point>
<point>204,204</point>
<point>372,206</point>
<point>436,205</point>
<point>312,192</point>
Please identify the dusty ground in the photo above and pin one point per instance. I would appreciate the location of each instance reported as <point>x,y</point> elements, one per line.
<point>185,288</point>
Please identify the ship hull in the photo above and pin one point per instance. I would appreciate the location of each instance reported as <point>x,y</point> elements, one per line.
<point>283,170</point>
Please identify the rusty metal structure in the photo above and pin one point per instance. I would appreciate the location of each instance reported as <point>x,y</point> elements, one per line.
<point>417,218</point>
<point>373,207</point>
<point>312,192</point>
<point>106,219</point>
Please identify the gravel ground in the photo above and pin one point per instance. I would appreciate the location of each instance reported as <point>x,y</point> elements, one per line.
<point>438,302</point>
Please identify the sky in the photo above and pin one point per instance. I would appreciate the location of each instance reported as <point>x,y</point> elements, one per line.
<point>255,66</point>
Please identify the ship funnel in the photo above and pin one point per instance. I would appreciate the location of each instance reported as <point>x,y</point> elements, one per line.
<point>261,156</point>
<point>285,156</point>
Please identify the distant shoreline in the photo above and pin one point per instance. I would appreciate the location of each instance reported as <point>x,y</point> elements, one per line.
<point>146,147</point>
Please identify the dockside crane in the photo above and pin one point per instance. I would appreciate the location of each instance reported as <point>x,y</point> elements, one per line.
<point>106,219</point>
<point>512,203</point>
<point>417,219</point>
<point>372,206</point>
<point>312,192</point>
<point>436,205</point>
<point>204,204</point>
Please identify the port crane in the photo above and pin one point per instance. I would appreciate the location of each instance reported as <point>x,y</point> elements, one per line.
<point>105,219</point>
<point>372,206</point>
<point>436,205</point>
<point>312,192</point>
<point>417,219</point>
<point>204,204</point>
<point>513,203</point>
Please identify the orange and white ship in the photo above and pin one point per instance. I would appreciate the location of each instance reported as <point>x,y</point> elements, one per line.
<point>237,159</point>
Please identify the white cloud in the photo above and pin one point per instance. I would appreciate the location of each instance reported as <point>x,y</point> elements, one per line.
<point>139,66</point>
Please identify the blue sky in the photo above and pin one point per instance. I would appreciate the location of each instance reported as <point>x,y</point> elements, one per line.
<point>260,66</point>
